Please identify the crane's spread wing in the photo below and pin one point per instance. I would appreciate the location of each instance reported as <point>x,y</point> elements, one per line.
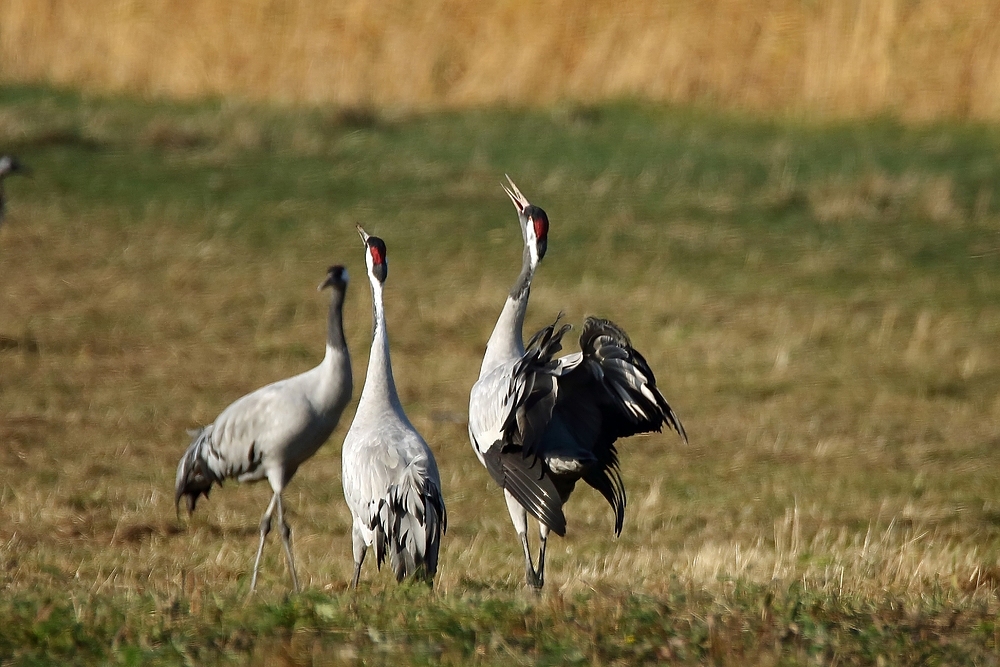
<point>509,411</point>
<point>610,361</point>
<point>610,393</point>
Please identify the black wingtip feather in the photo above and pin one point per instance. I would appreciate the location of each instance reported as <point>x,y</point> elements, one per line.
<point>603,340</point>
<point>667,412</point>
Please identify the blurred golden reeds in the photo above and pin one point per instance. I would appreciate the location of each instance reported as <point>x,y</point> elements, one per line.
<point>912,58</point>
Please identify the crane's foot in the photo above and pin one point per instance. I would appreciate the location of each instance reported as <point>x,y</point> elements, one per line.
<point>534,579</point>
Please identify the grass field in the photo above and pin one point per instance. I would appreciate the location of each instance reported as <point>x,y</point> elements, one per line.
<point>820,304</point>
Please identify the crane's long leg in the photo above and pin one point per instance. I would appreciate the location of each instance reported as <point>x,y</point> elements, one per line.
<point>286,540</point>
<point>265,528</point>
<point>530,576</point>
<point>543,536</point>
<point>519,517</point>
<point>360,549</point>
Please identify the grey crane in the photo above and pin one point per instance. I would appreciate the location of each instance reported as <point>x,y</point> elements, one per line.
<point>269,433</point>
<point>391,479</point>
<point>8,165</point>
<point>540,424</point>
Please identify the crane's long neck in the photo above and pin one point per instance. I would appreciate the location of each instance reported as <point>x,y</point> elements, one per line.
<point>335,382</point>
<point>506,343</point>
<point>335,344</point>
<point>380,388</point>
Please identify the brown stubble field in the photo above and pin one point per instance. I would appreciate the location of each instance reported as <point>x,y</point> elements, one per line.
<point>921,60</point>
<point>826,333</point>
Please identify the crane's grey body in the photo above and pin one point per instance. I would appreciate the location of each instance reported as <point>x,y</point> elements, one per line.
<point>539,424</point>
<point>8,165</point>
<point>391,480</point>
<point>270,432</point>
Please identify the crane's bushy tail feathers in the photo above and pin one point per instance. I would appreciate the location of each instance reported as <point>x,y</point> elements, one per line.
<point>408,524</point>
<point>524,478</point>
<point>194,477</point>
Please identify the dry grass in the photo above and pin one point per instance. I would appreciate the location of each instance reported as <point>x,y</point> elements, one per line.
<point>826,333</point>
<point>917,60</point>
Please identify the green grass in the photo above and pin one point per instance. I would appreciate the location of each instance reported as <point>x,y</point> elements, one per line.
<point>819,302</point>
<point>487,627</point>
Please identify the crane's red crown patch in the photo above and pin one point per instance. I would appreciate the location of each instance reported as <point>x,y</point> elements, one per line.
<point>541,225</point>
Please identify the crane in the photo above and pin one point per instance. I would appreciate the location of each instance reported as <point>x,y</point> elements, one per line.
<point>391,480</point>
<point>270,432</point>
<point>539,424</point>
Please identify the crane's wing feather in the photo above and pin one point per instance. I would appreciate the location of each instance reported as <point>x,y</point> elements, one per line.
<point>535,389</point>
<point>509,411</point>
<point>526,479</point>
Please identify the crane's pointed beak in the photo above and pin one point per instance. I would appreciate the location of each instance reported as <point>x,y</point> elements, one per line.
<point>520,201</point>
<point>364,234</point>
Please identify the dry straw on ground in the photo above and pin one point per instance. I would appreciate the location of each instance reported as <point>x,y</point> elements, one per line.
<point>920,60</point>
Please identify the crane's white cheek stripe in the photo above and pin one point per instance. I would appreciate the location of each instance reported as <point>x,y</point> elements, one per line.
<point>532,241</point>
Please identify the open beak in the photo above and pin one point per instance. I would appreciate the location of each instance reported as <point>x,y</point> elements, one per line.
<point>364,234</point>
<point>520,201</point>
